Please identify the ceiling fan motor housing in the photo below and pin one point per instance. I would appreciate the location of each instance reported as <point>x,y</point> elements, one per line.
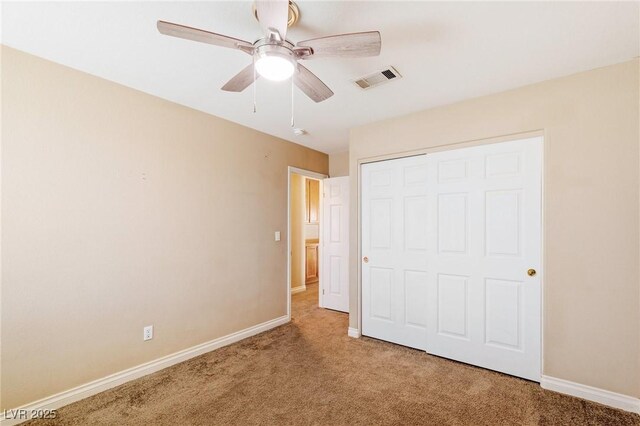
<point>284,49</point>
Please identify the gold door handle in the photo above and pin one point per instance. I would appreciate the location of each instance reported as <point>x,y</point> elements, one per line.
<point>365,259</point>
<point>531,272</point>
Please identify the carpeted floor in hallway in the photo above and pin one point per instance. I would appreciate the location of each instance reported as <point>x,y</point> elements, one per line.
<point>310,372</point>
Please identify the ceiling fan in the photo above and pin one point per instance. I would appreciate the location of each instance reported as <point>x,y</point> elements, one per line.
<point>274,57</point>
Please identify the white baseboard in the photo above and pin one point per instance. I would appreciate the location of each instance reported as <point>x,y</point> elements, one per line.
<point>353,332</point>
<point>83,391</point>
<point>605,397</point>
<point>298,289</point>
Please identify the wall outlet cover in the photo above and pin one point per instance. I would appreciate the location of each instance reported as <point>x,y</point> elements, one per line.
<point>147,333</point>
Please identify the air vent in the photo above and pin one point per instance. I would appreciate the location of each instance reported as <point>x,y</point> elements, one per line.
<point>378,78</point>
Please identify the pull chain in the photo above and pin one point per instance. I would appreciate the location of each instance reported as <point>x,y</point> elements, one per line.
<point>293,123</point>
<point>255,83</point>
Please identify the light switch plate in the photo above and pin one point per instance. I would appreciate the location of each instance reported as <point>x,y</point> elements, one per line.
<point>277,235</point>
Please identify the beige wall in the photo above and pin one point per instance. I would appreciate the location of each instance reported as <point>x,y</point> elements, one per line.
<point>311,231</point>
<point>591,194</point>
<point>339,164</point>
<point>297,230</point>
<point>121,210</point>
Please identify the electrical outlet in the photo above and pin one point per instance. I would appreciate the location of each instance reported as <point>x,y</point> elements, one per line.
<point>148,332</point>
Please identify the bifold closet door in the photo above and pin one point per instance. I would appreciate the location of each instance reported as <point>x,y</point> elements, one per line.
<point>394,250</point>
<point>485,240</point>
<point>451,246</point>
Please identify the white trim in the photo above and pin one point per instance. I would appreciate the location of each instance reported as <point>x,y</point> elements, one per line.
<point>288,289</point>
<point>353,332</point>
<point>313,175</point>
<point>320,241</point>
<point>543,264</point>
<point>298,289</point>
<point>88,389</point>
<point>605,397</point>
<point>307,173</point>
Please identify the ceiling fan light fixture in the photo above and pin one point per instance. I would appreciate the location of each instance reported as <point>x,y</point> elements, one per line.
<point>274,67</point>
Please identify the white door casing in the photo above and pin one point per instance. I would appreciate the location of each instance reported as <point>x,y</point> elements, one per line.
<point>334,277</point>
<point>482,232</point>
<point>394,250</point>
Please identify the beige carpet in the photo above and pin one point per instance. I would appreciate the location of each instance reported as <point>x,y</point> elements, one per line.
<point>310,372</point>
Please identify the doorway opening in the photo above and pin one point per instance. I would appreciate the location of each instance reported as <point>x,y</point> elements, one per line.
<point>304,236</point>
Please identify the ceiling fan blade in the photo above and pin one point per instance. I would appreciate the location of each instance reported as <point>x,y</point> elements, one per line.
<point>273,16</point>
<point>354,45</point>
<point>189,33</point>
<point>242,80</point>
<point>311,85</point>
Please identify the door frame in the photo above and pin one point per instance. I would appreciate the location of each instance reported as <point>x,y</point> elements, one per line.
<point>448,147</point>
<point>319,177</point>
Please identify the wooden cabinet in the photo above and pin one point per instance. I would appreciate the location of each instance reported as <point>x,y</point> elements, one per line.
<point>311,262</point>
<point>312,200</point>
<point>312,217</point>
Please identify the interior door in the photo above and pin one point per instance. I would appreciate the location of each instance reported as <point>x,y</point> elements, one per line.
<point>334,277</point>
<point>485,219</point>
<point>394,250</point>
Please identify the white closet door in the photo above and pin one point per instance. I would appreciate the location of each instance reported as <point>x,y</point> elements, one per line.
<point>485,222</point>
<point>448,240</point>
<point>394,250</point>
<point>334,277</point>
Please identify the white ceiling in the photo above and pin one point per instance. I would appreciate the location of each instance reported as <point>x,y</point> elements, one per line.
<point>446,51</point>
